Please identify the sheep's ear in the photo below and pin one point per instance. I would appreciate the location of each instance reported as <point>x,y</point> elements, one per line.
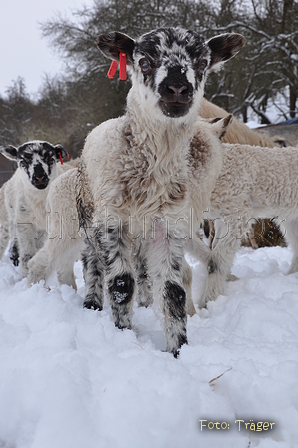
<point>10,152</point>
<point>60,150</point>
<point>111,44</point>
<point>220,126</point>
<point>224,47</point>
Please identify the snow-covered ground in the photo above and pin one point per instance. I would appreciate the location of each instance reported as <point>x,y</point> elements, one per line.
<point>70,379</point>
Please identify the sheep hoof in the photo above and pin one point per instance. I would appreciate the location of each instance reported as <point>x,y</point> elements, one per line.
<point>14,255</point>
<point>91,304</point>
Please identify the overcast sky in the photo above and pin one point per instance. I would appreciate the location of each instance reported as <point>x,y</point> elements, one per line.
<point>22,50</point>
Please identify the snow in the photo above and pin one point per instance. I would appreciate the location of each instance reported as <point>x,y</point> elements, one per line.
<point>70,379</point>
<point>277,110</point>
<point>252,124</point>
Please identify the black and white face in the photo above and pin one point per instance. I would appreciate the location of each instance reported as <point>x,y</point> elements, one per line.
<point>170,65</point>
<point>37,161</point>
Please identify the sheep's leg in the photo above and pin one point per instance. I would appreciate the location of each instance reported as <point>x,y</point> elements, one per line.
<point>4,224</point>
<point>219,233</point>
<point>69,251</point>
<point>93,268</point>
<point>174,300</point>
<point>42,263</point>
<point>39,266</point>
<point>144,290</point>
<point>56,254</point>
<point>14,253</point>
<point>227,241</point>
<point>145,296</point>
<point>25,233</point>
<point>67,277</point>
<point>40,239</point>
<point>187,282</point>
<point>120,278</point>
<point>290,228</point>
<point>115,246</point>
<point>4,238</point>
<point>166,257</point>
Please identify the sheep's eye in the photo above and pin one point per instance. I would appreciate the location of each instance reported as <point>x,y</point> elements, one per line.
<point>145,66</point>
<point>51,162</point>
<point>23,163</point>
<point>202,67</point>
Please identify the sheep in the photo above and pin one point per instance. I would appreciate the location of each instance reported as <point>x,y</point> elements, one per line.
<point>255,182</point>
<point>239,132</point>
<point>64,244</point>
<point>25,195</point>
<point>4,223</point>
<point>134,176</point>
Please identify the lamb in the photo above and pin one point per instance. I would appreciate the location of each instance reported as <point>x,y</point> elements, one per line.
<point>134,177</point>
<point>64,244</point>
<point>4,224</point>
<point>254,182</point>
<point>239,132</point>
<point>25,195</point>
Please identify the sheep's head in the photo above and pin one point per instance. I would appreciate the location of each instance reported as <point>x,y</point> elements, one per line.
<point>36,161</point>
<point>170,65</point>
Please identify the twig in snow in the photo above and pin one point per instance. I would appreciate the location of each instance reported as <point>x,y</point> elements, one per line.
<point>216,378</point>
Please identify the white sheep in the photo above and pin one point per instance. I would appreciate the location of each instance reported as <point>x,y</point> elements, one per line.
<point>64,244</point>
<point>255,182</point>
<point>25,196</point>
<point>134,181</point>
<point>238,132</point>
<point>4,222</point>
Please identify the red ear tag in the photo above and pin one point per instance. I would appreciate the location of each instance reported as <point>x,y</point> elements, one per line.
<point>67,155</point>
<point>122,70</point>
<point>112,69</point>
<point>61,160</point>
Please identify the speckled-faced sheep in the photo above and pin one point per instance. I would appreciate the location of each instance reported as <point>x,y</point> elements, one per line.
<point>25,196</point>
<point>255,182</point>
<point>64,244</point>
<point>134,178</point>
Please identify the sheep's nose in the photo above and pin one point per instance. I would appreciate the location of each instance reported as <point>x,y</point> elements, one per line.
<point>178,90</point>
<point>40,178</point>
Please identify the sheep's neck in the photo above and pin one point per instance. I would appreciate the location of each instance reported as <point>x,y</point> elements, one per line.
<point>163,139</point>
<point>158,172</point>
